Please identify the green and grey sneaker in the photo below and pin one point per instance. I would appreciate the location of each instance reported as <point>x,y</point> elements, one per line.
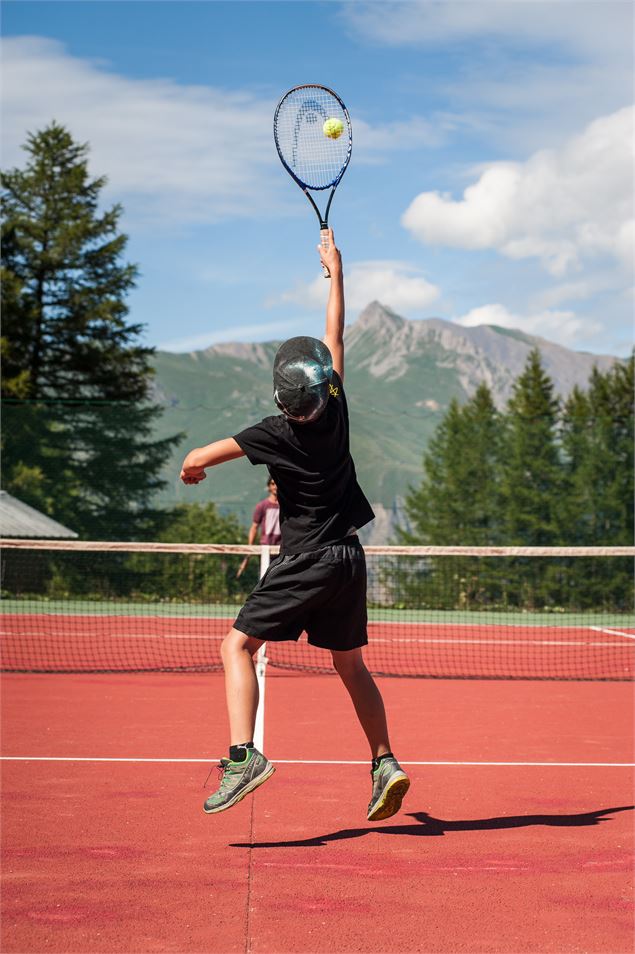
<point>239,779</point>
<point>390,784</point>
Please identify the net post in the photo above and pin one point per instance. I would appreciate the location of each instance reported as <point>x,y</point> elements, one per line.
<point>261,668</point>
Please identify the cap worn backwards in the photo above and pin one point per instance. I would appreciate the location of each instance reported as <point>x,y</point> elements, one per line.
<point>302,372</point>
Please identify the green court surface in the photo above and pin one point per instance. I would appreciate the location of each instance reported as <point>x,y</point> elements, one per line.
<point>488,617</point>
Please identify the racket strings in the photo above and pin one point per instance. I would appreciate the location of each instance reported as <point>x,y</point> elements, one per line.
<point>313,157</point>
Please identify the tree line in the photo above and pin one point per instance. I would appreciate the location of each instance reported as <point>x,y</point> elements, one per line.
<point>540,472</point>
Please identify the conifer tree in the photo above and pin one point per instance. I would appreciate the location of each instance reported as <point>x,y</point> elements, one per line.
<point>597,442</point>
<point>78,419</point>
<point>532,484</point>
<point>580,462</point>
<point>598,447</point>
<point>457,503</point>
<point>482,465</point>
<point>435,507</point>
<point>532,470</point>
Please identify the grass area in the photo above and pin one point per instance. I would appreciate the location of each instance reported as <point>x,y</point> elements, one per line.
<point>489,617</point>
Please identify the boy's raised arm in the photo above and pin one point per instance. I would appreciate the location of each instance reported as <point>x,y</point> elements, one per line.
<point>334,336</point>
<point>193,468</point>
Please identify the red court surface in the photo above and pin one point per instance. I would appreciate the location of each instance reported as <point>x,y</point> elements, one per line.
<point>76,642</point>
<point>104,856</point>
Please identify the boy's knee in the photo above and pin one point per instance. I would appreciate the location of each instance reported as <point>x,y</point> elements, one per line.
<point>237,642</point>
<point>227,646</point>
<point>348,662</point>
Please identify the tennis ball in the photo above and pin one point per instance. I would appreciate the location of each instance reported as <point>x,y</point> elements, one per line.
<point>333,128</point>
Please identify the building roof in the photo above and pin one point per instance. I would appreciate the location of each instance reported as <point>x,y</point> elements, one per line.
<point>17,519</point>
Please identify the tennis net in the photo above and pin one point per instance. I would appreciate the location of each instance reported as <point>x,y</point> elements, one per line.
<point>456,612</point>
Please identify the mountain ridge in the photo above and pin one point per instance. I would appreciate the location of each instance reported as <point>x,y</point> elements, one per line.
<point>401,337</point>
<point>400,378</point>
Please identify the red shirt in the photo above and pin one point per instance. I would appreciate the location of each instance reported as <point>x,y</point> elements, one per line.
<point>267,516</point>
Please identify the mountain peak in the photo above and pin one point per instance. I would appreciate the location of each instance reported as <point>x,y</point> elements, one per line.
<point>377,315</point>
<point>380,341</point>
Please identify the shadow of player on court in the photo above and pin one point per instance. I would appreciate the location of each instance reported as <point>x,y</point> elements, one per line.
<point>426,825</point>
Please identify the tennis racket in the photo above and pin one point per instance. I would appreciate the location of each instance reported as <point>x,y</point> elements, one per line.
<point>313,136</point>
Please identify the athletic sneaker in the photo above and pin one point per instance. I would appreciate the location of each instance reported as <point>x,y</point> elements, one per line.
<point>239,779</point>
<point>390,784</point>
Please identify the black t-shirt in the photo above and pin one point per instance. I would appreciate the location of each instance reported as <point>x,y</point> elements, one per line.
<point>320,499</point>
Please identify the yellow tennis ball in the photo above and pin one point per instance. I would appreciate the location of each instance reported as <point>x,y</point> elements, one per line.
<point>333,128</point>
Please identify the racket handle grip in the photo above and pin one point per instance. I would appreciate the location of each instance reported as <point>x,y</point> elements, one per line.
<point>324,242</point>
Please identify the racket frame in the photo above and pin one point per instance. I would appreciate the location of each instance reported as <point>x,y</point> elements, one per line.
<point>322,219</point>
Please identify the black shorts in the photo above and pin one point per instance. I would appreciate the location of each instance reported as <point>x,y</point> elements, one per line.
<point>322,592</point>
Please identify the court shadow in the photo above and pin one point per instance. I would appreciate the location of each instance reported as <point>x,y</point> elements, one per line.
<point>427,826</point>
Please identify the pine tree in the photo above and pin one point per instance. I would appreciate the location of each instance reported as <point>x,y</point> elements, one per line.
<point>597,444</point>
<point>78,419</point>
<point>532,471</point>
<point>434,508</point>
<point>579,499</point>
<point>532,484</point>
<point>457,502</point>
<point>482,464</point>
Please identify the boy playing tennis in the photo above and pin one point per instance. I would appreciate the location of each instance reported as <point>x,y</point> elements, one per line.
<point>318,583</point>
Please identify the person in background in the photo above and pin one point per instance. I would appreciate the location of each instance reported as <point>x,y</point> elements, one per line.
<point>266,519</point>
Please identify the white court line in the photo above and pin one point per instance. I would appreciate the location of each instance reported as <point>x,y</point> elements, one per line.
<point>427,640</point>
<point>613,632</point>
<point>497,642</point>
<point>45,758</point>
<point>63,634</point>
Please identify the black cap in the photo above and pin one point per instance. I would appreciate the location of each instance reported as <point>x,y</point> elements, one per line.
<point>302,372</point>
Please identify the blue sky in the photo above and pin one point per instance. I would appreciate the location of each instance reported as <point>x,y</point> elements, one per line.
<point>492,172</point>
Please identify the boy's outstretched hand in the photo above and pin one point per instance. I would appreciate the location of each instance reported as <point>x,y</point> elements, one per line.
<point>191,476</point>
<point>331,256</point>
<point>193,469</point>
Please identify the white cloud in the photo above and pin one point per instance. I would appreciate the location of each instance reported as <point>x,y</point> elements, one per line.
<point>397,284</point>
<point>175,152</point>
<point>560,206</point>
<point>584,26</point>
<point>563,327</point>
<point>531,70</point>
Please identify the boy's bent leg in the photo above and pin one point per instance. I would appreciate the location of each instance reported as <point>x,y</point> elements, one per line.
<point>366,698</point>
<point>241,685</point>
<point>389,782</point>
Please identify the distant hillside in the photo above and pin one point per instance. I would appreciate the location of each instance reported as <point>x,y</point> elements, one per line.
<point>400,377</point>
